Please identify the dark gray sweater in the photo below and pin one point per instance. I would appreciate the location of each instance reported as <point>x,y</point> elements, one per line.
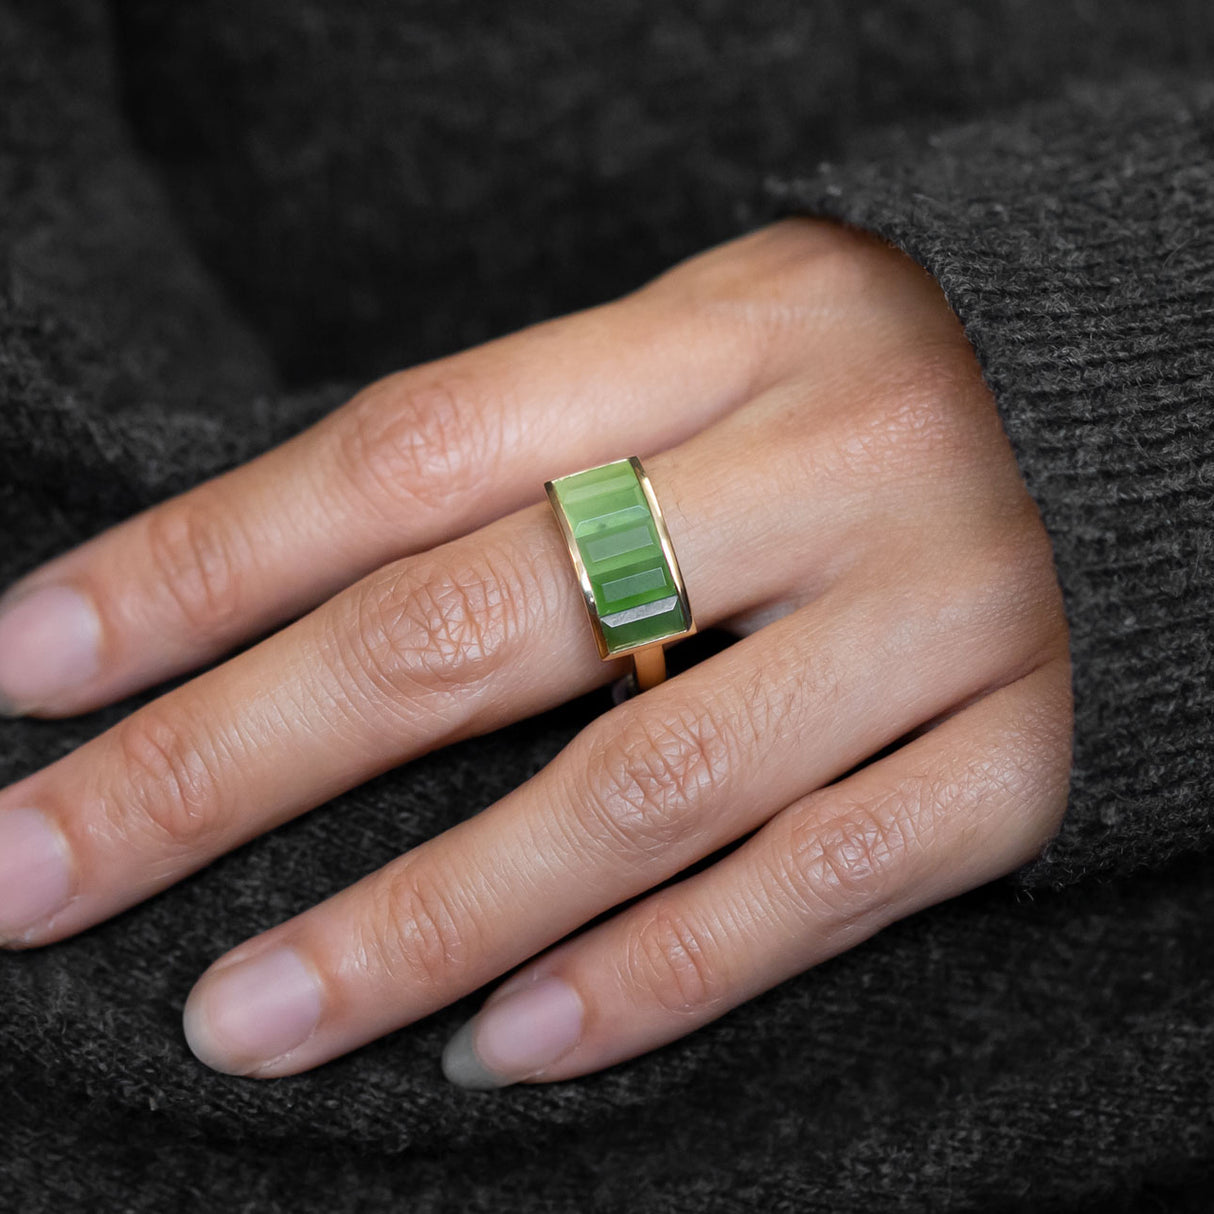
<point>216,219</point>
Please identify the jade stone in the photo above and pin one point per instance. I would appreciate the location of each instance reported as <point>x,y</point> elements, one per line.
<point>634,593</point>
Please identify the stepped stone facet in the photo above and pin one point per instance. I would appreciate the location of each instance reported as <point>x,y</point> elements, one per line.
<point>634,592</point>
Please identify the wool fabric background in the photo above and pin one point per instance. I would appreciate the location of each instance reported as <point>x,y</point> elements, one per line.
<point>218,220</point>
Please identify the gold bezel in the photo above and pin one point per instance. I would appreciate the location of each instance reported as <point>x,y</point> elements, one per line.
<point>584,578</point>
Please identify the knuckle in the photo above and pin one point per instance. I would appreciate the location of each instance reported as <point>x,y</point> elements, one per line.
<point>844,263</point>
<point>410,442</point>
<point>856,860</point>
<point>777,257</point>
<point>1016,787</point>
<point>414,930</point>
<point>1005,592</point>
<point>898,433</point>
<point>674,963</point>
<point>166,788</point>
<point>1011,582</point>
<point>648,773</point>
<point>944,371</point>
<point>911,427</point>
<point>438,625</point>
<point>193,547</point>
<point>754,289</point>
<point>1041,757</point>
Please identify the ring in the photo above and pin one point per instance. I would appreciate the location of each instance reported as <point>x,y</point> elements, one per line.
<point>625,564</point>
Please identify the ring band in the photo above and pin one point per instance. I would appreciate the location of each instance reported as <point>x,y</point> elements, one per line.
<point>625,564</point>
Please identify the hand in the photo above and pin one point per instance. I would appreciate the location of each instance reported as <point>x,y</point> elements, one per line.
<point>840,493</point>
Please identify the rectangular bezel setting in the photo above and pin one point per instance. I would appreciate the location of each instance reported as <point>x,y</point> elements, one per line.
<point>630,579</point>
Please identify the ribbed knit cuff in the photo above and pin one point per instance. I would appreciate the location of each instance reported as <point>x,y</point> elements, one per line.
<point>1075,240</point>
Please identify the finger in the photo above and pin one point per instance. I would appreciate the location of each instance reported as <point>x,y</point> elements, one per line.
<point>641,793</point>
<point>970,800</point>
<point>415,459</point>
<point>478,632</point>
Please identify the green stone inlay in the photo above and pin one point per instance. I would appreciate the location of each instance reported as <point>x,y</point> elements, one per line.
<point>634,592</point>
<point>661,623</point>
<point>620,588</point>
<point>603,547</point>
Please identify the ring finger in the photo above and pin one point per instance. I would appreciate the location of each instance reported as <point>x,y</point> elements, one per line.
<point>462,639</point>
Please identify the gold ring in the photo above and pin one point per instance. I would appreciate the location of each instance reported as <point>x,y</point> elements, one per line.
<point>625,564</point>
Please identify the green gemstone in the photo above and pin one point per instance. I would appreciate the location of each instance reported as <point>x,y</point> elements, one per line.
<point>634,593</point>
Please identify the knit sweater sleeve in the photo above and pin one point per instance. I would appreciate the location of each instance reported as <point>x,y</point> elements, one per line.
<point>1075,240</point>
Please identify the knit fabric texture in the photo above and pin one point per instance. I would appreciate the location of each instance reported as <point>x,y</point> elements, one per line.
<point>216,221</point>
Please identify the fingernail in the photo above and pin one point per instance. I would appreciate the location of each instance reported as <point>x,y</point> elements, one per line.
<point>49,643</point>
<point>516,1037</point>
<point>238,1019</point>
<point>35,874</point>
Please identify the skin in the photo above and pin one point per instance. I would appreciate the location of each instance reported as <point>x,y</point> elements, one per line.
<point>841,495</point>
